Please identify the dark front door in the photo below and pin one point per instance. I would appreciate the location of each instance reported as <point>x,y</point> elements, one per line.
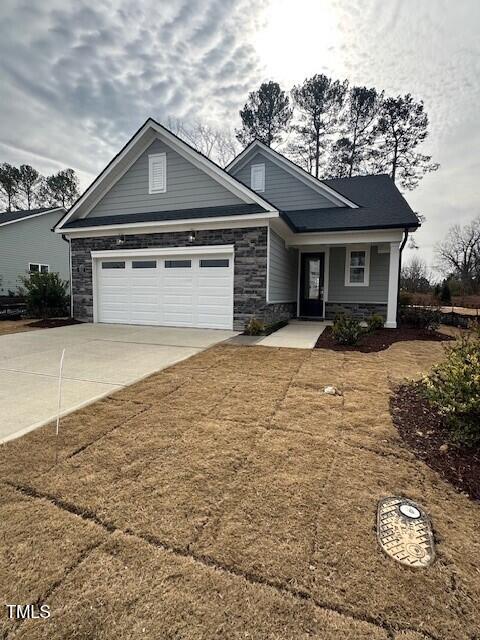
<point>311,284</point>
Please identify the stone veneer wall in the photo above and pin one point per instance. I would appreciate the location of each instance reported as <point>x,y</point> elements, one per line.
<point>250,276</point>
<point>359,310</point>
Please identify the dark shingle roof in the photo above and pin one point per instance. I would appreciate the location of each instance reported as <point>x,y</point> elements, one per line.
<point>159,216</point>
<point>21,214</point>
<point>380,206</point>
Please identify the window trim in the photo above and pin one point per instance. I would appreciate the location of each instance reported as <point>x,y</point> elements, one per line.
<point>39,265</point>
<point>151,160</point>
<point>254,167</point>
<point>348,266</point>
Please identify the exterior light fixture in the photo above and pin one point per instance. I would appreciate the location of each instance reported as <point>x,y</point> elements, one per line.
<point>192,236</point>
<point>120,240</point>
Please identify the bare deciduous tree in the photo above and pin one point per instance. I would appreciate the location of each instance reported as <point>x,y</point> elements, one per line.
<point>415,276</point>
<point>217,144</point>
<point>459,254</point>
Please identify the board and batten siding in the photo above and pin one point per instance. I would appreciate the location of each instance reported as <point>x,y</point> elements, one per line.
<point>187,188</point>
<point>282,270</point>
<point>31,240</point>
<point>282,189</point>
<point>377,290</point>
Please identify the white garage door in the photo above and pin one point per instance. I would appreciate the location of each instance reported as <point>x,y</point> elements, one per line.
<point>176,291</point>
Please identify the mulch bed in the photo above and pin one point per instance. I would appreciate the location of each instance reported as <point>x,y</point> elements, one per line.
<point>380,339</point>
<point>51,323</point>
<point>424,431</point>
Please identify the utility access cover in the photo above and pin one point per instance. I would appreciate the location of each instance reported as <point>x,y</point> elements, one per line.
<point>404,532</point>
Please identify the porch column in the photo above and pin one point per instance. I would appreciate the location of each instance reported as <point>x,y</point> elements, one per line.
<point>391,322</point>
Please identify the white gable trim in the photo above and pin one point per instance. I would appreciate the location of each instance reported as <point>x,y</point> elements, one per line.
<point>134,148</point>
<point>283,162</point>
<point>27,217</point>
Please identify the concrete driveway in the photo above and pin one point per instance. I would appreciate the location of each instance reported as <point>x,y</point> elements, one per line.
<point>99,359</point>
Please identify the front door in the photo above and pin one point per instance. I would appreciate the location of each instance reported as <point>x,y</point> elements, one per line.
<point>311,284</point>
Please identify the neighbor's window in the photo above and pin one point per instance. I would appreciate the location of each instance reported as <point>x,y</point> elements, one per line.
<point>157,173</point>
<point>178,264</point>
<point>357,267</point>
<point>257,177</point>
<point>34,267</point>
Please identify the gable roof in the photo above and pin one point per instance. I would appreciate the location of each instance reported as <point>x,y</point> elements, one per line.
<point>9,217</point>
<point>381,206</point>
<point>321,186</point>
<point>139,142</point>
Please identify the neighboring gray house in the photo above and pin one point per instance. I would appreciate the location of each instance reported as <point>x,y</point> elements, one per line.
<point>164,236</point>
<point>27,243</point>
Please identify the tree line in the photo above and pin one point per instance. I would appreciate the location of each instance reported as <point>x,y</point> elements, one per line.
<point>24,187</point>
<point>457,259</point>
<point>336,130</point>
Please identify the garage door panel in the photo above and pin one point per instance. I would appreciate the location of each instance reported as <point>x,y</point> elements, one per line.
<point>174,295</point>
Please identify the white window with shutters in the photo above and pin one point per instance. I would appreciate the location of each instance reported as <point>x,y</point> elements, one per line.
<point>257,177</point>
<point>157,173</point>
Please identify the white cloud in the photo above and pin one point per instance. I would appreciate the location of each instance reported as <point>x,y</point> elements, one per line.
<point>79,78</point>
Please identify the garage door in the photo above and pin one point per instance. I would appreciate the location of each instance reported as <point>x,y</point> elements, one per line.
<point>171,290</point>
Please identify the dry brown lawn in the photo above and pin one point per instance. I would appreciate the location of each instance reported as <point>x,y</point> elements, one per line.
<point>229,497</point>
<point>15,326</point>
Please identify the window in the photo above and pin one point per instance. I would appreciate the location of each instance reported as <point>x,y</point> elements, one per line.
<point>34,267</point>
<point>157,173</point>
<point>144,264</point>
<point>257,177</point>
<point>176,264</point>
<point>113,265</point>
<point>214,263</point>
<point>357,267</point>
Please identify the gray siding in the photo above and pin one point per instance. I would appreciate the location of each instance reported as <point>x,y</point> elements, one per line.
<point>377,291</point>
<point>31,241</point>
<point>282,274</point>
<point>281,188</point>
<point>187,188</point>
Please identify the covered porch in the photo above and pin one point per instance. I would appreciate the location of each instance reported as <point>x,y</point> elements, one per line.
<point>351,272</point>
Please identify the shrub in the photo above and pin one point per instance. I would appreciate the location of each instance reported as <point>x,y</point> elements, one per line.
<point>45,295</point>
<point>346,330</point>
<point>420,318</point>
<point>404,298</point>
<point>254,327</point>
<point>375,322</point>
<point>453,387</point>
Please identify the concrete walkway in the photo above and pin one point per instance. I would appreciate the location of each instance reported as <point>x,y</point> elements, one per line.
<point>297,334</point>
<point>99,359</point>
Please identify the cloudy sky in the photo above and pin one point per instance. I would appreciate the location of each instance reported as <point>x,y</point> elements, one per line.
<point>78,78</point>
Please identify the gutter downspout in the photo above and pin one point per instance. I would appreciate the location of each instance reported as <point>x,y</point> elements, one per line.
<point>402,246</point>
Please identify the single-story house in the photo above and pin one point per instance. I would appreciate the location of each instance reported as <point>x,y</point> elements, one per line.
<point>27,244</point>
<point>164,236</point>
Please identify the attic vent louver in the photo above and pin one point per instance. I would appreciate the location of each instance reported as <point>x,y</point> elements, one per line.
<point>157,173</point>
